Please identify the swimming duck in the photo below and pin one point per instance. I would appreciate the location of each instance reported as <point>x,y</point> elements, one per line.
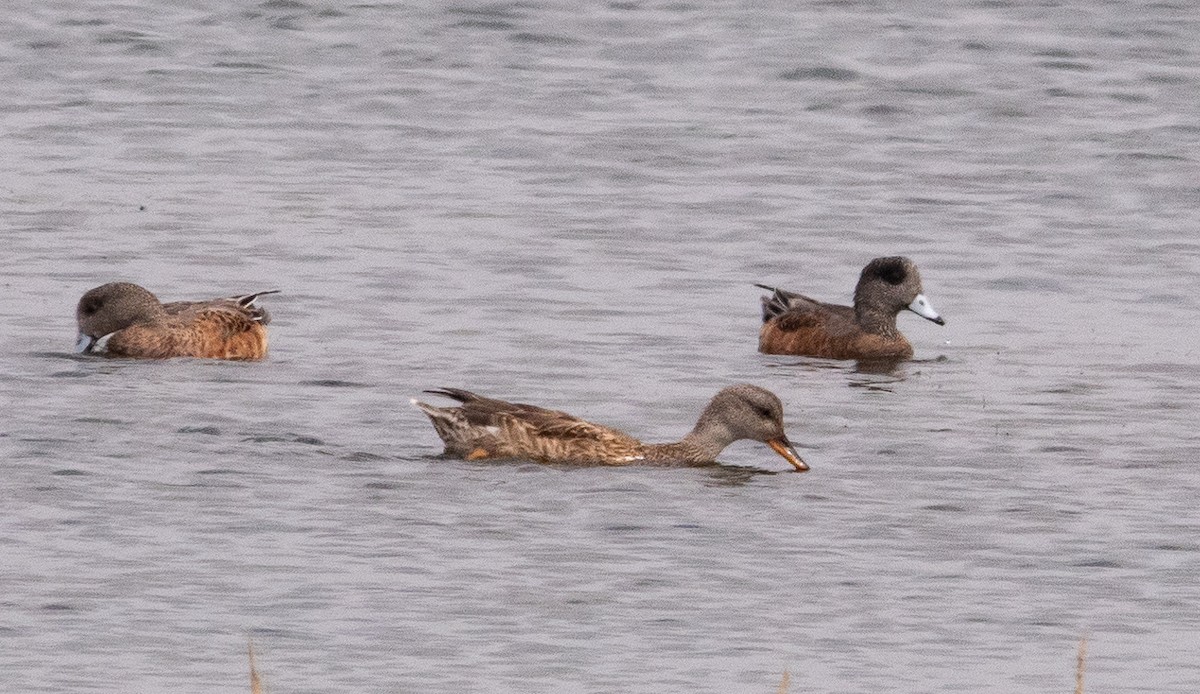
<point>126,320</point>
<point>796,324</point>
<point>486,428</point>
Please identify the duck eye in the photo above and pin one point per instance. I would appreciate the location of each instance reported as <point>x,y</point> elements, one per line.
<point>90,306</point>
<point>765,412</point>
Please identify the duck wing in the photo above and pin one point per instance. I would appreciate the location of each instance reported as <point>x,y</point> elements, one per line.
<point>244,304</point>
<point>484,427</point>
<point>796,311</point>
<point>481,411</point>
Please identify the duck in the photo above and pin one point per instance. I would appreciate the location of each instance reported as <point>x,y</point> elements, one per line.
<point>123,319</point>
<point>485,428</point>
<point>797,325</point>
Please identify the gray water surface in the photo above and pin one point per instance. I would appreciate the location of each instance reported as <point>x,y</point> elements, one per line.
<point>568,204</point>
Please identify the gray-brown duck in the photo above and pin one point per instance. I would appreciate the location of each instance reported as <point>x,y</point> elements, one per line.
<point>483,428</point>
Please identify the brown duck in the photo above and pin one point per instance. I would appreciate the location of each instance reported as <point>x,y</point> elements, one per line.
<point>125,320</point>
<point>796,324</point>
<point>486,428</point>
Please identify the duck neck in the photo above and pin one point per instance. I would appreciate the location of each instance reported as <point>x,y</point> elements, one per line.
<point>709,437</point>
<point>875,319</point>
<point>702,445</point>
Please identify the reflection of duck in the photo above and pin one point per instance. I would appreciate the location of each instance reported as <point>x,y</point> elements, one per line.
<point>796,324</point>
<point>123,319</point>
<point>486,428</point>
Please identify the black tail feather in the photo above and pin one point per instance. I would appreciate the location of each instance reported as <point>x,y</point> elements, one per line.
<point>453,393</point>
<point>247,299</point>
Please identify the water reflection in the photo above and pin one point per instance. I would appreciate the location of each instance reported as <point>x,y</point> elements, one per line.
<point>880,372</point>
<point>722,475</point>
<point>717,474</point>
<point>881,367</point>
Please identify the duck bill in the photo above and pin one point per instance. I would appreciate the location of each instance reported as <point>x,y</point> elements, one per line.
<point>922,308</point>
<point>84,344</point>
<point>784,449</point>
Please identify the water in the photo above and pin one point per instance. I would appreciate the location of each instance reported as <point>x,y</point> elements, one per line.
<point>567,204</point>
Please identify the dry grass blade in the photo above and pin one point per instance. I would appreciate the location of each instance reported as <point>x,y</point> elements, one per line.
<point>255,680</point>
<point>1080,661</point>
<point>783,684</point>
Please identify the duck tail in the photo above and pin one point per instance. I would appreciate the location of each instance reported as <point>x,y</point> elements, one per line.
<point>434,413</point>
<point>449,422</point>
<point>774,305</point>
<point>257,313</point>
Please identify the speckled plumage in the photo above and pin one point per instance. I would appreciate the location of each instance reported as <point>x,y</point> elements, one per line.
<point>487,428</point>
<point>795,324</point>
<point>129,321</point>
